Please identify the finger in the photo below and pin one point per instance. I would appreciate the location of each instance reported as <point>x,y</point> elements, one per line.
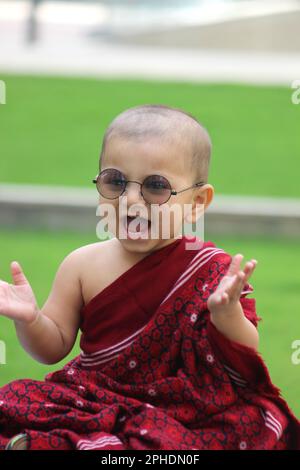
<point>235,289</point>
<point>243,277</point>
<point>234,286</point>
<point>249,268</point>
<point>18,276</point>
<point>251,264</point>
<point>237,281</point>
<point>235,264</point>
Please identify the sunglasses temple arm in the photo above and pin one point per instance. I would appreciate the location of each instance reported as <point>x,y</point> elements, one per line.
<point>194,186</point>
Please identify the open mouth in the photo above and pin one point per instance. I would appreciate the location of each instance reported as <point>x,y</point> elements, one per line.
<point>140,225</point>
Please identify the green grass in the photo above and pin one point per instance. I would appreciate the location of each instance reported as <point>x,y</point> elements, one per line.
<point>52,128</point>
<point>275,282</point>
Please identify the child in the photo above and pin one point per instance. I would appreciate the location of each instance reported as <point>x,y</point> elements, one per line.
<point>169,346</point>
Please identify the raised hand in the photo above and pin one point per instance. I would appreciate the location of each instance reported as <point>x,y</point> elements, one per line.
<point>231,286</point>
<point>17,300</point>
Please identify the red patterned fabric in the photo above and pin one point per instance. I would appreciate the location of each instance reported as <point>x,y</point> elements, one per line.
<point>154,372</point>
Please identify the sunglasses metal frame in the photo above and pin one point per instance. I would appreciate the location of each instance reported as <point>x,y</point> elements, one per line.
<point>173,192</point>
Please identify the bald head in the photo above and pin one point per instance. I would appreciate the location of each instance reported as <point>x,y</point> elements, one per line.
<point>168,124</point>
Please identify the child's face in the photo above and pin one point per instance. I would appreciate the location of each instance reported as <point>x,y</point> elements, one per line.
<point>137,160</point>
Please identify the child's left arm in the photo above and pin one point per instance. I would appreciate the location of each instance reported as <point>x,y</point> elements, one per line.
<point>226,312</point>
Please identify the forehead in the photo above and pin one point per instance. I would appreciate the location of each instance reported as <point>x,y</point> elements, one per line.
<point>150,155</point>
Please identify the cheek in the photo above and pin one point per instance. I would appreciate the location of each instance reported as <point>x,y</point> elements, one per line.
<point>169,220</point>
<point>180,208</point>
<point>108,209</point>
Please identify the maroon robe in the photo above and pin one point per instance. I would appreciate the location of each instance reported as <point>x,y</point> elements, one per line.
<point>154,373</point>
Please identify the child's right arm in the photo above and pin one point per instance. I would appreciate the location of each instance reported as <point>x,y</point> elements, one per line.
<point>47,334</point>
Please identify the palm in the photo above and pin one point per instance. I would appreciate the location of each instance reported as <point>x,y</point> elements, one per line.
<point>231,285</point>
<point>225,286</point>
<point>17,301</point>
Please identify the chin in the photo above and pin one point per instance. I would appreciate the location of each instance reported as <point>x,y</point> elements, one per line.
<point>145,245</point>
<point>140,245</point>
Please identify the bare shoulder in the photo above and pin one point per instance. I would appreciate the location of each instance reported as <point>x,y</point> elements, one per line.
<point>97,266</point>
<point>93,251</point>
<point>77,276</point>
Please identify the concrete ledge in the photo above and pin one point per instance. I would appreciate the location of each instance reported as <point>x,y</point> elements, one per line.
<point>59,208</point>
<point>277,32</point>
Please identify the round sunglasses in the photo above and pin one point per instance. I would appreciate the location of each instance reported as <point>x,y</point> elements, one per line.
<point>155,189</point>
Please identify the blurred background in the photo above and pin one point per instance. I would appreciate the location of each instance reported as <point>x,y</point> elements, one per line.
<point>67,68</point>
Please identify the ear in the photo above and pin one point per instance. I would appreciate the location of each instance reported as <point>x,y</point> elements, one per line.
<point>201,200</point>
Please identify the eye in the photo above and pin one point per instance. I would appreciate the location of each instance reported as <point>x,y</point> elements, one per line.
<point>116,182</point>
<point>113,178</point>
<point>157,183</point>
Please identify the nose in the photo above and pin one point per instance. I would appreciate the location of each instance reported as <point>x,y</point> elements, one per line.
<point>133,193</point>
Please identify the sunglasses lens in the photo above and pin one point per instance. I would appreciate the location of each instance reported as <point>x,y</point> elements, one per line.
<point>111,183</point>
<point>156,189</point>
